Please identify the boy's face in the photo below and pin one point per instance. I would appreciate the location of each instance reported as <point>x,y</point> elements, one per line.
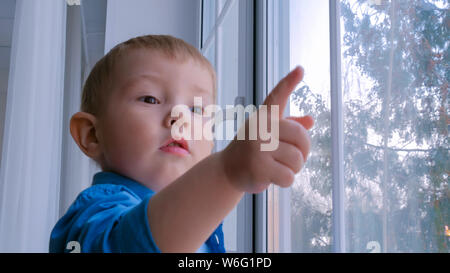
<point>135,126</point>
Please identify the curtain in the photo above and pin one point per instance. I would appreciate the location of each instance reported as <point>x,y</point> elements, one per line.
<point>42,170</point>
<point>77,169</point>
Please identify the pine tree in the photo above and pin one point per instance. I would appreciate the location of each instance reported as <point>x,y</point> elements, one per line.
<point>396,134</point>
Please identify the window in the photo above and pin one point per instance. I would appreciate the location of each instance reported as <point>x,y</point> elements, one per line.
<point>377,176</point>
<point>6,27</point>
<point>395,84</point>
<point>311,197</point>
<point>227,43</point>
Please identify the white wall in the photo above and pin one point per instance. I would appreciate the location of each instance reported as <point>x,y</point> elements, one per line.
<point>130,18</point>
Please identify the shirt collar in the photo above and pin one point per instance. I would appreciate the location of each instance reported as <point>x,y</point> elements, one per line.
<point>117,179</point>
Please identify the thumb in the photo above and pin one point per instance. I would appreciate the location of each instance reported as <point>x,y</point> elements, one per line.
<point>306,121</point>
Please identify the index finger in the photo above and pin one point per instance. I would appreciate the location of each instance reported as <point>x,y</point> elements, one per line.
<point>280,94</point>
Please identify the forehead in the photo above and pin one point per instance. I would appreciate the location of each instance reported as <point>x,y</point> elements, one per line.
<point>144,66</point>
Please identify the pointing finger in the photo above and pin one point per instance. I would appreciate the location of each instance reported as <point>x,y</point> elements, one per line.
<point>280,94</point>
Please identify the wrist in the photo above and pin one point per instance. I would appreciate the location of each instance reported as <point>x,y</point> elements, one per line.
<point>227,171</point>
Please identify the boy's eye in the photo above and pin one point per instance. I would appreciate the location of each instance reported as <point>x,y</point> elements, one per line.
<point>197,110</point>
<point>149,99</point>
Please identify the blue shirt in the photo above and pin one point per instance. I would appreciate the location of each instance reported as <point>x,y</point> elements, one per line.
<point>111,216</point>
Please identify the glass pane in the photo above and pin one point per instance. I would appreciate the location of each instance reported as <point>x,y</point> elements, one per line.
<point>94,13</point>
<point>7,9</point>
<point>209,18</point>
<point>227,88</point>
<point>395,81</point>
<point>221,4</point>
<point>311,192</point>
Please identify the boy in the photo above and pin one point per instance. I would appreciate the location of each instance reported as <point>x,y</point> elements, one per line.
<point>155,193</point>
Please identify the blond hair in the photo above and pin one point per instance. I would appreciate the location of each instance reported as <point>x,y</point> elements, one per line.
<point>95,90</point>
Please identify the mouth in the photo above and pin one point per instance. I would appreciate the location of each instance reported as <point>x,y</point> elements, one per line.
<point>177,147</point>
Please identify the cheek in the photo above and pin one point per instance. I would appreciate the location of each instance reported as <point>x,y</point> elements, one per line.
<point>130,137</point>
<point>204,148</point>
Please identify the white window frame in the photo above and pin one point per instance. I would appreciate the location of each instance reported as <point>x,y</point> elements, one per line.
<point>260,200</point>
<point>272,207</point>
<point>244,209</point>
<point>337,130</point>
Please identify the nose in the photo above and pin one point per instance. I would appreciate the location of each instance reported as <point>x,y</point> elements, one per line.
<point>169,120</point>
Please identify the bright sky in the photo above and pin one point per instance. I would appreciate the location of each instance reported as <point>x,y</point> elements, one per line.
<point>310,45</point>
<point>310,48</point>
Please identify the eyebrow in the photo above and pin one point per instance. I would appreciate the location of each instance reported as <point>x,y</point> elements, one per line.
<point>154,77</point>
<point>144,77</point>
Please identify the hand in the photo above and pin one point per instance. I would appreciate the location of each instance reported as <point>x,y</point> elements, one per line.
<point>248,168</point>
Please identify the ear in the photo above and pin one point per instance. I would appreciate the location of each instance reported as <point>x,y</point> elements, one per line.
<point>84,131</point>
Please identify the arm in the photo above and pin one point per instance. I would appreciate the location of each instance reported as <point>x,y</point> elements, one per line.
<point>185,213</point>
